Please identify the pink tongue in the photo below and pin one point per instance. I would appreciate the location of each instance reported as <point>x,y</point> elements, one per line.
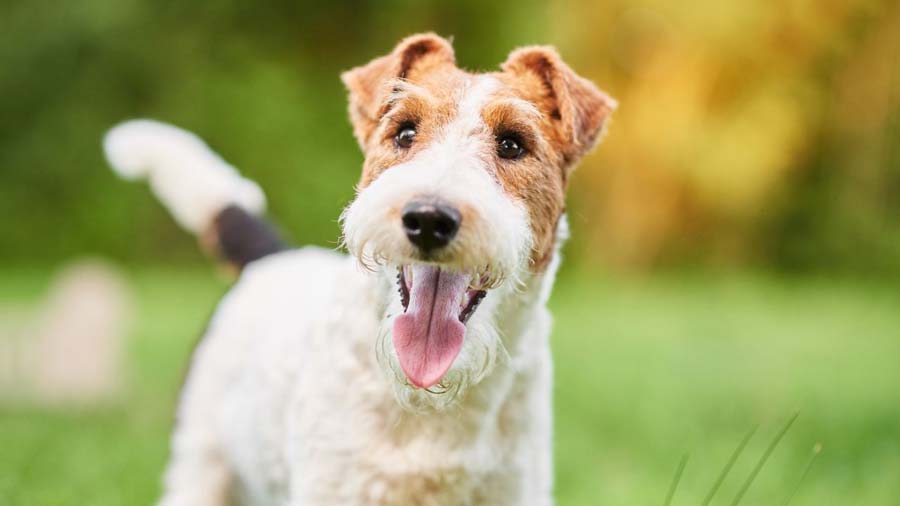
<point>429,335</point>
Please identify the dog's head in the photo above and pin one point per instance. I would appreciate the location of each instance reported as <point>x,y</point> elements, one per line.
<point>461,195</point>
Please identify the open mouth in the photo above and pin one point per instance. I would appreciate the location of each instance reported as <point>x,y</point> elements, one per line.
<point>429,334</point>
<point>468,303</point>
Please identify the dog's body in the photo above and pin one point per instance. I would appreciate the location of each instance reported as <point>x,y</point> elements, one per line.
<point>316,382</point>
<point>287,381</point>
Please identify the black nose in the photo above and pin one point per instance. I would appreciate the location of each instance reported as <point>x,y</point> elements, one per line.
<point>430,225</point>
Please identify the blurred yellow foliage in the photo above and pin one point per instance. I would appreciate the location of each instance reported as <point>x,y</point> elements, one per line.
<point>721,105</point>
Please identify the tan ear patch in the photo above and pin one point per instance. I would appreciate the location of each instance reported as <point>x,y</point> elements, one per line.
<point>414,56</point>
<point>578,111</point>
<point>422,53</point>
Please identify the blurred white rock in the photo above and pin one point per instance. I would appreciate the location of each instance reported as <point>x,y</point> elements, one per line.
<point>71,349</point>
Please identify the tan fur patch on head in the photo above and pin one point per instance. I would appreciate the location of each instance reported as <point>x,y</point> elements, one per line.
<point>429,103</point>
<point>573,113</point>
<point>534,179</point>
<point>414,57</point>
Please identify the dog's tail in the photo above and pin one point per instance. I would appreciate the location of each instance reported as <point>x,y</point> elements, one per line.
<point>206,196</point>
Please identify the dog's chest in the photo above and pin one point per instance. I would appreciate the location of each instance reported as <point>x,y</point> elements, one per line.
<point>350,460</point>
<point>440,488</point>
<point>326,448</point>
<point>369,468</point>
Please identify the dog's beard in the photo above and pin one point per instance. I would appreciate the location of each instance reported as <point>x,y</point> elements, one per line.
<point>479,354</point>
<point>492,248</point>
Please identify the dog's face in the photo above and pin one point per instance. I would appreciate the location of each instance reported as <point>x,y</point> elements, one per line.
<point>462,191</point>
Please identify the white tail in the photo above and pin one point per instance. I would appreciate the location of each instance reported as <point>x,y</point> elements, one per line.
<point>192,181</point>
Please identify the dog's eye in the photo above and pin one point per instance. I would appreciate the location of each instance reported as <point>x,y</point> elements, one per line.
<point>510,148</point>
<point>405,136</point>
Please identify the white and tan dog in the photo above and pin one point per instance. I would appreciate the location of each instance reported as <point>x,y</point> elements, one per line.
<point>424,377</point>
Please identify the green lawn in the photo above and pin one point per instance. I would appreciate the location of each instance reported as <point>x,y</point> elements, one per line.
<point>648,370</point>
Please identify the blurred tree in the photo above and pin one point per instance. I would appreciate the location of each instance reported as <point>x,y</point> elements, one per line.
<point>735,130</point>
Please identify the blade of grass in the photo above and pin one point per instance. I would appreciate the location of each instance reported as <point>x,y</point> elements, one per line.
<point>734,456</point>
<point>763,459</point>
<point>676,480</point>
<point>817,449</point>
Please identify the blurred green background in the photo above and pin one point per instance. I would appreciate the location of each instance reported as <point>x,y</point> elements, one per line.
<point>736,239</point>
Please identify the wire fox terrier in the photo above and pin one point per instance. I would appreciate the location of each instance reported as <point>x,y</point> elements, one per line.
<point>424,377</point>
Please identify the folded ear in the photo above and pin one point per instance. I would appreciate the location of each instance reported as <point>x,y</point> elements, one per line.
<point>414,55</point>
<point>576,108</point>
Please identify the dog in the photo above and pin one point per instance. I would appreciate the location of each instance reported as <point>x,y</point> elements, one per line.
<point>417,369</point>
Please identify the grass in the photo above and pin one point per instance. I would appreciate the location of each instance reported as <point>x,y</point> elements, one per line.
<point>648,371</point>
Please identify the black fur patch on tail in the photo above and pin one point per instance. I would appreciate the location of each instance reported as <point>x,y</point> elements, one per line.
<point>241,237</point>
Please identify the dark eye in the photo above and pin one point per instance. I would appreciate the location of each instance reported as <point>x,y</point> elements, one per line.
<point>405,136</point>
<point>509,147</point>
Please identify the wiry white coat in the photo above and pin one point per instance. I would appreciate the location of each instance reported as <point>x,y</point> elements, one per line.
<point>286,395</point>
